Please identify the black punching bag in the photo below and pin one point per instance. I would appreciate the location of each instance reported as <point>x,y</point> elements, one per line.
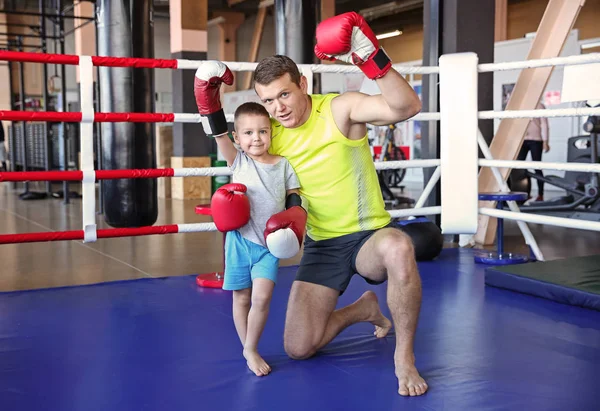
<point>125,29</point>
<point>295,25</point>
<point>426,236</point>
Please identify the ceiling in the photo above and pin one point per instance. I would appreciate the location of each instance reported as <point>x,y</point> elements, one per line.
<point>382,15</point>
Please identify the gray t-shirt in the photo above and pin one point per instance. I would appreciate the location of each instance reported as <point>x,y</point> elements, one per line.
<point>266,189</point>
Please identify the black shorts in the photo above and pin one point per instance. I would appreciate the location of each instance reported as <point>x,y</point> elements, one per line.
<point>332,262</point>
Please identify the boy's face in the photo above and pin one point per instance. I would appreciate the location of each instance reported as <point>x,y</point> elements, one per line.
<point>253,134</point>
<point>285,101</point>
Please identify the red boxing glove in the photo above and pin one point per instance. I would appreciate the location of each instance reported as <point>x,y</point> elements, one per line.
<point>230,210</point>
<point>207,87</point>
<point>347,37</point>
<point>285,231</point>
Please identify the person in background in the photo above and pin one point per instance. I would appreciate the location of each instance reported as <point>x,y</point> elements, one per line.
<point>2,149</point>
<point>536,140</point>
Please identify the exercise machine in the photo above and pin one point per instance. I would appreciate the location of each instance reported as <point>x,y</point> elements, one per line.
<point>391,152</point>
<point>391,178</point>
<point>582,190</point>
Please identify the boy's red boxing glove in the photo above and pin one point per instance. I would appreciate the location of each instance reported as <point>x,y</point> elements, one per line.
<point>284,231</point>
<point>230,207</point>
<point>207,90</point>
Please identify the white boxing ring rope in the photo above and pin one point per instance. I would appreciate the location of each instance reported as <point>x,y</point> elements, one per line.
<point>518,164</point>
<point>514,214</point>
<point>224,171</point>
<point>482,68</point>
<point>536,63</point>
<point>482,115</point>
<point>541,219</point>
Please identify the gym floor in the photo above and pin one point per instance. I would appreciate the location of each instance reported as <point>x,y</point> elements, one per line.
<point>156,343</point>
<point>56,264</point>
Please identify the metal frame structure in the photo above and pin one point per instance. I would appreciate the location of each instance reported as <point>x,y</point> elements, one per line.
<point>59,34</point>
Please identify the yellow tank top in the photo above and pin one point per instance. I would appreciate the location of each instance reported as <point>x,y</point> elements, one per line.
<point>337,175</point>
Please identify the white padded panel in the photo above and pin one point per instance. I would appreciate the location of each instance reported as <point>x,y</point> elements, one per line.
<point>458,145</point>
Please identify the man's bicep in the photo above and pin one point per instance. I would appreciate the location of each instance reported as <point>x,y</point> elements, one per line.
<point>362,108</point>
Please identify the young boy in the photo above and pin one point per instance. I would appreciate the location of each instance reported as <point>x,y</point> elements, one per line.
<point>250,268</point>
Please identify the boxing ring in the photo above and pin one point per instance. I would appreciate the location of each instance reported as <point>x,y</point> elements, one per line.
<point>168,344</point>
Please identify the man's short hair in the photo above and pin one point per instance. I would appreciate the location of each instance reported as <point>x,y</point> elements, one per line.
<point>250,108</point>
<point>271,68</point>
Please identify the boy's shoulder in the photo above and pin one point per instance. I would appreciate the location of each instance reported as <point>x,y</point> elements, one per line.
<point>284,162</point>
<point>240,159</point>
<point>280,158</point>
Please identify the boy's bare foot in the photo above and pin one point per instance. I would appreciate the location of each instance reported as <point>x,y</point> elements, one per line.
<point>256,363</point>
<point>375,317</point>
<point>410,383</point>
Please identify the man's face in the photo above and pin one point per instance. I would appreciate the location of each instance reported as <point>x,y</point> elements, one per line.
<point>285,101</point>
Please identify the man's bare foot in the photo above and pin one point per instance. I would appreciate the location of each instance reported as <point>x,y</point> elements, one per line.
<point>375,317</point>
<point>410,383</point>
<point>256,363</point>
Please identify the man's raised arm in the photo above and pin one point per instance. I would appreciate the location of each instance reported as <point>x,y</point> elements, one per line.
<point>347,37</point>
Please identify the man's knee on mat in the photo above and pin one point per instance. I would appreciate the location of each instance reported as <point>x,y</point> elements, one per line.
<point>298,350</point>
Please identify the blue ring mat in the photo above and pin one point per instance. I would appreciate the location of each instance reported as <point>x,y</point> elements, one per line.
<point>165,344</point>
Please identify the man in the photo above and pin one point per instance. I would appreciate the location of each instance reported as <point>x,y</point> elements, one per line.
<point>325,140</point>
<point>324,137</point>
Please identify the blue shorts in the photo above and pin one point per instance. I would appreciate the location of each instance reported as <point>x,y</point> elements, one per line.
<point>245,261</point>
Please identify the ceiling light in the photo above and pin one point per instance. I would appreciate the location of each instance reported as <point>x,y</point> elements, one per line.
<point>590,45</point>
<point>388,35</point>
